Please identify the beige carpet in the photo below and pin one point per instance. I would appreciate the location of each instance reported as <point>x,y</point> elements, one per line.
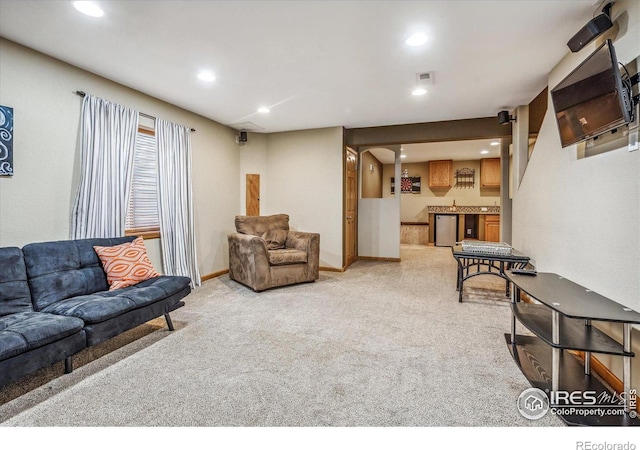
<point>383,344</point>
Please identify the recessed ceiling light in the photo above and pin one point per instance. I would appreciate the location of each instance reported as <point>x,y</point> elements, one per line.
<point>403,156</point>
<point>495,143</point>
<point>484,152</point>
<point>206,76</point>
<point>419,91</point>
<point>416,39</point>
<point>263,110</point>
<point>89,8</point>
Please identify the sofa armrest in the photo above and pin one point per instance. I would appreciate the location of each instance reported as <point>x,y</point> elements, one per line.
<point>249,261</point>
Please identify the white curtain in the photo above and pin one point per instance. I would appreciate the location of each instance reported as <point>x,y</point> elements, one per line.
<point>175,203</point>
<point>107,143</point>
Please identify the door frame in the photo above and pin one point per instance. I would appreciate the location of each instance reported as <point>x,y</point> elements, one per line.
<point>346,151</point>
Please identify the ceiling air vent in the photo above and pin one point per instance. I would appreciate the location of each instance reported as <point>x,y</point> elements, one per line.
<point>247,126</point>
<point>424,78</point>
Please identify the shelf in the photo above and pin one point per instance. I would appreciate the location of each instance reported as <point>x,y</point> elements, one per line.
<point>574,335</point>
<point>533,357</point>
<point>465,178</point>
<point>571,299</point>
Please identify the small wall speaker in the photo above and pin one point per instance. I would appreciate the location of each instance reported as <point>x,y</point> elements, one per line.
<point>594,28</point>
<point>504,117</point>
<point>241,138</point>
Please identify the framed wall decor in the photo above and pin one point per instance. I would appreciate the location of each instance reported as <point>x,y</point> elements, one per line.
<point>408,185</point>
<point>6,141</point>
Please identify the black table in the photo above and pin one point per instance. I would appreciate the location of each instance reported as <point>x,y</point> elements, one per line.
<point>485,264</point>
<point>561,321</point>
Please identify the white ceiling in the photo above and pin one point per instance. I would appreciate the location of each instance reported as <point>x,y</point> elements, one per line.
<point>314,63</point>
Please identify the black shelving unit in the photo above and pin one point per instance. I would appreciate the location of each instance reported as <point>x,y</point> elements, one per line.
<point>562,321</point>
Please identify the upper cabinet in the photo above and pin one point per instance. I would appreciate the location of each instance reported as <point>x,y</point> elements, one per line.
<point>490,173</point>
<point>441,174</point>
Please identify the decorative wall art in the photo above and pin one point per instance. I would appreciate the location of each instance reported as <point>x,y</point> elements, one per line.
<point>465,178</point>
<point>408,185</point>
<point>6,141</point>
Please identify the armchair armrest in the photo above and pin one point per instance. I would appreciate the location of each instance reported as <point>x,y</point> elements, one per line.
<point>301,240</point>
<point>309,243</point>
<point>249,261</point>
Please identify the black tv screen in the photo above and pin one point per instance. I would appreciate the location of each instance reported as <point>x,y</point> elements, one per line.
<point>591,100</point>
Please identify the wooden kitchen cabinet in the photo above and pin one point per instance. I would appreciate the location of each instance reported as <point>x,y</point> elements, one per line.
<point>492,228</point>
<point>490,172</point>
<point>441,173</point>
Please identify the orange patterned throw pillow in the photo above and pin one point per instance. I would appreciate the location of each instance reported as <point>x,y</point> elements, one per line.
<point>126,264</point>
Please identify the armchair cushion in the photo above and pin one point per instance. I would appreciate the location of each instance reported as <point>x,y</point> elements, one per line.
<point>287,256</point>
<point>258,225</point>
<point>275,239</point>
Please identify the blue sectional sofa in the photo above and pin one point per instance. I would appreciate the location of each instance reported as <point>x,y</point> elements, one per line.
<point>55,301</point>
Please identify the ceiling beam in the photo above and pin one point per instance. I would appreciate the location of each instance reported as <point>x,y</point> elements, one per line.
<point>449,130</point>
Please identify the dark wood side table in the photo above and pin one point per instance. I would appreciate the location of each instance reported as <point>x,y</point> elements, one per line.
<point>562,321</point>
<point>485,264</point>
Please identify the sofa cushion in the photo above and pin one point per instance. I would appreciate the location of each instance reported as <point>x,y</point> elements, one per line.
<point>64,269</point>
<point>275,239</point>
<point>286,256</point>
<point>25,331</point>
<point>105,305</point>
<point>257,225</point>
<point>126,264</point>
<point>14,288</point>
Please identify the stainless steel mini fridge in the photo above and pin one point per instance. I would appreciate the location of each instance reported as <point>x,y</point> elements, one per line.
<point>446,231</point>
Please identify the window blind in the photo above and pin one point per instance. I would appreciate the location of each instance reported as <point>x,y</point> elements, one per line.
<point>142,212</point>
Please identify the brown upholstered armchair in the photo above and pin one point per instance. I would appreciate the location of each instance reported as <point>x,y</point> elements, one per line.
<point>264,253</point>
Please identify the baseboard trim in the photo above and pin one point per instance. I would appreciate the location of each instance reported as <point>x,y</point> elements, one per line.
<point>209,276</point>
<point>332,269</point>
<point>607,375</point>
<point>524,297</point>
<point>377,258</point>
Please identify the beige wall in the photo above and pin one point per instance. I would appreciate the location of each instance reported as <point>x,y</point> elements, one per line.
<point>253,160</point>
<point>304,180</point>
<point>371,175</point>
<point>579,217</point>
<point>35,203</point>
<point>413,207</point>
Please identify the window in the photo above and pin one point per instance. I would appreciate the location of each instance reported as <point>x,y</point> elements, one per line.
<point>142,213</point>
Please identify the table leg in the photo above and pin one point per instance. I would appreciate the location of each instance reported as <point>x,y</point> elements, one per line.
<point>507,283</point>
<point>587,355</point>
<point>555,356</point>
<point>460,278</point>
<point>626,366</point>
<point>514,299</point>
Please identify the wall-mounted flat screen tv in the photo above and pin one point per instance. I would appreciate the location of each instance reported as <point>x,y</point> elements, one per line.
<point>592,99</point>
